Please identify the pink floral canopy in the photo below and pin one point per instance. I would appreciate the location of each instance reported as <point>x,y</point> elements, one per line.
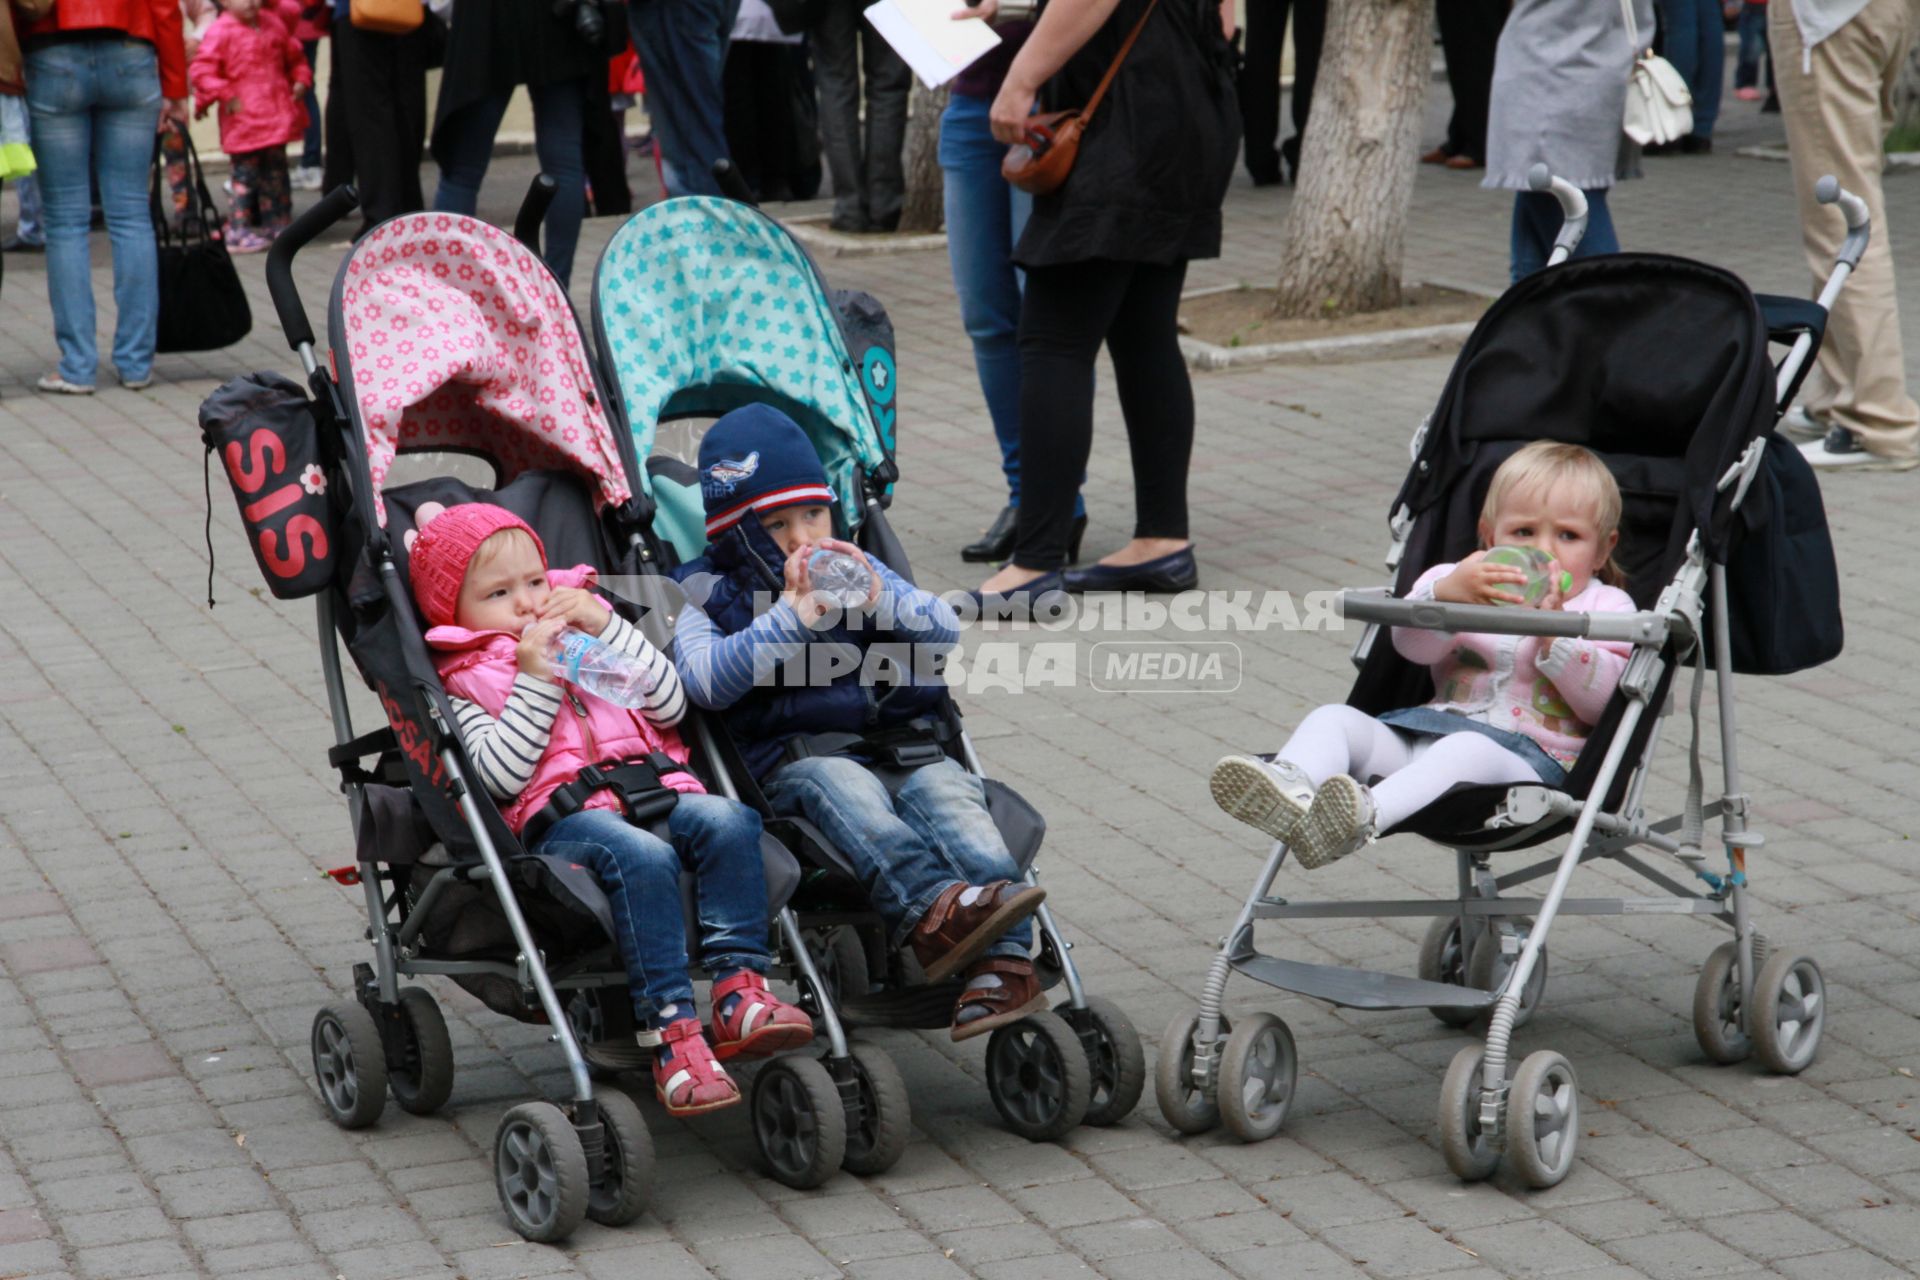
<point>451,334</point>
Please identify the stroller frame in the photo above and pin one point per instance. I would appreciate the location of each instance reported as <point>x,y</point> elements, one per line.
<point>387,1029</point>
<point>1749,1000</point>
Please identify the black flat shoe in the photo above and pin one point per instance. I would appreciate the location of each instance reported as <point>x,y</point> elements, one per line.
<point>1176,572</point>
<point>996,544</point>
<point>1045,592</point>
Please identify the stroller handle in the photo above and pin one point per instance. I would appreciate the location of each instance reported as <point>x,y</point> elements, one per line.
<point>533,210</point>
<point>1373,605</point>
<point>732,184</point>
<point>333,206</point>
<point>1859,221</point>
<point>1573,211</point>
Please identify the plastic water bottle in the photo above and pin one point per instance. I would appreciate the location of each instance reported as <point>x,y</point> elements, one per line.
<point>602,670</point>
<point>1533,562</point>
<point>839,577</point>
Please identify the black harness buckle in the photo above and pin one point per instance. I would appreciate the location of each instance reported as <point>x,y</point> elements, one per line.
<point>636,782</point>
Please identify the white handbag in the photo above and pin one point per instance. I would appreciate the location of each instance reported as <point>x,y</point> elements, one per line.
<point>1659,107</point>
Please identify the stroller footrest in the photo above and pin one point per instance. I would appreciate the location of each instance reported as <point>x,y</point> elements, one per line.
<point>1358,988</point>
<point>908,1009</point>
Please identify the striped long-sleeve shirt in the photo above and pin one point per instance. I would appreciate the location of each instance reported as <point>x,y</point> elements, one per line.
<point>719,669</point>
<point>506,750</point>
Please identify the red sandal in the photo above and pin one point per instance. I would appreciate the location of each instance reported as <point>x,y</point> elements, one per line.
<point>758,1023</point>
<point>686,1078</point>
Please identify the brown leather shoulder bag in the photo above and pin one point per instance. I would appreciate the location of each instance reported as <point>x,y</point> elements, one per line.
<point>1042,162</point>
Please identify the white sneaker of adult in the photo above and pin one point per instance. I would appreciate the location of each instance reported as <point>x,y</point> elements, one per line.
<point>1797,424</point>
<point>1841,451</point>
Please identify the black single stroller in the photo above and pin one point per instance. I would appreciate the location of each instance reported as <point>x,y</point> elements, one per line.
<point>702,305</point>
<point>448,336</point>
<point>1660,366</point>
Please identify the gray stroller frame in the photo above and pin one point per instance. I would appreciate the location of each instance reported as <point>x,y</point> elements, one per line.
<point>1483,961</point>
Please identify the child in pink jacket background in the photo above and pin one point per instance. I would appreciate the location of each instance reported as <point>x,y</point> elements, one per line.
<point>1506,709</point>
<point>251,66</point>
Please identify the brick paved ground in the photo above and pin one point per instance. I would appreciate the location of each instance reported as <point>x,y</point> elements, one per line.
<point>164,939</point>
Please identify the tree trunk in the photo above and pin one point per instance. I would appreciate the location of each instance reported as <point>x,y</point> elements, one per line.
<point>1906,94</point>
<point>1346,228</point>
<point>925,193</point>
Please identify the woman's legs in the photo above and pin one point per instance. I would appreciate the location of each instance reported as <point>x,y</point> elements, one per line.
<point>465,151</point>
<point>1536,221</point>
<point>985,215</point>
<point>1156,399</point>
<point>559,126</point>
<point>1064,318</point>
<point>60,96</point>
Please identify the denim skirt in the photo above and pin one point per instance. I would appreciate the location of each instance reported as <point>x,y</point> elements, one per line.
<point>1432,722</point>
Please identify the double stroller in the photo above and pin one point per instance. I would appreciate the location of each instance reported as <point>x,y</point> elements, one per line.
<point>1661,367</point>
<point>451,341</point>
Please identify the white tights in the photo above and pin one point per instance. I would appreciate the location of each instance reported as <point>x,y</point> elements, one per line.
<point>1342,739</point>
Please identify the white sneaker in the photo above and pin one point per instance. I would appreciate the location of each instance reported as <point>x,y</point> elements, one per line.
<point>1841,450</point>
<point>1270,797</point>
<point>60,386</point>
<point>1340,822</point>
<point>1797,424</point>
<point>308,178</point>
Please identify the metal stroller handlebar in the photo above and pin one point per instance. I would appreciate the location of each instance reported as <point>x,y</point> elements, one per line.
<point>1374,605</point>
<point>1573,211</point>
<point>1859,221</point>
<point>333,206</point>
<point>533,210</point>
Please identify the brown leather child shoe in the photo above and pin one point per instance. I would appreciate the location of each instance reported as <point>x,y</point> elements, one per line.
<point>999,990</point>
<point>967,919</point>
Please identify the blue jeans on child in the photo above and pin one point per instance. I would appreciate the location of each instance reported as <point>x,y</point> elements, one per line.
<point>907,848</point>
<point>94,104</point>
<point>985,216</point>
<point>715,838</point>
<point>559,113</point>
<point>1536,221</point>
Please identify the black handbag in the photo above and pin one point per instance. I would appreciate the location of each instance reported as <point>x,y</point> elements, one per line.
<point>1783,587</point>
<point>202,304</point>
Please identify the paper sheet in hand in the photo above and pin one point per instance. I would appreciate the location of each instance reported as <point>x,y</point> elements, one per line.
<point>925,34</point>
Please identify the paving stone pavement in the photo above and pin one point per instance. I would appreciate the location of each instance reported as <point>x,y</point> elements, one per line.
<point>165,937</point>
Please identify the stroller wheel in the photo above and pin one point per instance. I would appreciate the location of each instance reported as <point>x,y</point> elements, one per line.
<point>1187,1106</point>
<point>1789,1012</point>
<point>1543,1119</point>
<point>626,1180</point>
<point>540,1171</point>
<point>877,1135</point>
<point>1443,958</point>
<point>422,1078</point>
<point>1468,1151</point>
<point>1257,1075</point>
<point>1717,1021</point>
<point>840,954</point>
<point>1115,1057</point>
<point>1038,1076</point>
<point>799,1122</point>
<point>350,1063</point>
<point>1488,968</point>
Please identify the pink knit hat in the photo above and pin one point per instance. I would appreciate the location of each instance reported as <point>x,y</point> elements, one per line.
<point>440,552</point>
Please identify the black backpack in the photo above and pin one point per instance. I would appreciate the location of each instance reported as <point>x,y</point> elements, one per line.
<point>1783,588</point>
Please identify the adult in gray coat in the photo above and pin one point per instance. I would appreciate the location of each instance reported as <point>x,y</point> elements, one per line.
<point>1559,92</point>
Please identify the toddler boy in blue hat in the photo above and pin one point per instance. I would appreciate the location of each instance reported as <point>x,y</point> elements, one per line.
<point>783,663</point>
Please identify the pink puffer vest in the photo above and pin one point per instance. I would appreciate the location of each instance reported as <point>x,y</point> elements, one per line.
<point>480,667</point>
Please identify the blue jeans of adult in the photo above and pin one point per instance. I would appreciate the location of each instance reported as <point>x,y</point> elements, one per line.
<point>1694,35</point>
<point>1753,48</point>
<point>94,105</point>
<point>910,847</point>
<point>466,145</point>
<point>985,216</point>
<point>310,142</point>
<point>1536,221</point>
<point>683,53</point>
<point>719,841</point>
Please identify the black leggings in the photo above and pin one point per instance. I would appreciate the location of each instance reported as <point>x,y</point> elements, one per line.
<point>1067,312</point>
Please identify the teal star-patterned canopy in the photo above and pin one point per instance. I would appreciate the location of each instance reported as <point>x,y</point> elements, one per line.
<point>703,305</point>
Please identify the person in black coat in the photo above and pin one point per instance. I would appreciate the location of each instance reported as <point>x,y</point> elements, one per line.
<point>1106,256</point>
<point>1260,83</point>
<point>493,47</point>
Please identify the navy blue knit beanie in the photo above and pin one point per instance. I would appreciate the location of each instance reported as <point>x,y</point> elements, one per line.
<point>756,458</point>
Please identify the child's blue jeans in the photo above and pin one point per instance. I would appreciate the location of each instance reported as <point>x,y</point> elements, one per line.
<point>719,841</point>
<point>907,848</point>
